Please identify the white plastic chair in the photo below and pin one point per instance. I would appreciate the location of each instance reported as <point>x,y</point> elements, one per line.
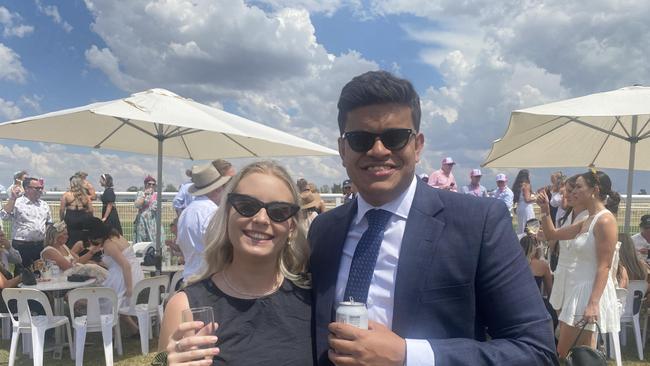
<point>629,317</point>
<point>171,290</point>
<point>34,325</point>
<point>144,312</point>
<point>6,325</point>
<point>98,318</point>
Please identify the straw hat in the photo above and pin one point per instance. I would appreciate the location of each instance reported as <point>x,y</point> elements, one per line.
<point>309,199</point>
<point>205,179</point>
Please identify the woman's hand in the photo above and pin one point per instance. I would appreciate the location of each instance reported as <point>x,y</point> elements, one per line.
<point>129,292</point>
<point>592,312</point>
<point>190,350</point>
<point>542,201</point>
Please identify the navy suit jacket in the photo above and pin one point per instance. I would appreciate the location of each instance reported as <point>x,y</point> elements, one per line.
<point>461,274</point>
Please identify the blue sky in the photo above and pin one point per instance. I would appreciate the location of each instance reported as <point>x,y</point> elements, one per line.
<point>283,62</point>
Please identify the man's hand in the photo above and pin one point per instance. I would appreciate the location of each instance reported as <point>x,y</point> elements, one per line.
<point>377,346</point>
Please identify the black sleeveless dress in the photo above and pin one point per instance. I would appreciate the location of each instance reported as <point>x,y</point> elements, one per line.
<point>270,330</point>
<point>113,219</point>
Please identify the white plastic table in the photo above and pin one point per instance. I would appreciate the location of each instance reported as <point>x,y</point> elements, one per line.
<point>58,287</point>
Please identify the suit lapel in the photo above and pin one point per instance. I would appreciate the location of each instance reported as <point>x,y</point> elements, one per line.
<point>418,246</point>
<point>330,258</point>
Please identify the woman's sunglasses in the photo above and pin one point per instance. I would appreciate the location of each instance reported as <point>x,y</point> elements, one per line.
<point>248,206</point>
<point>393,139</point>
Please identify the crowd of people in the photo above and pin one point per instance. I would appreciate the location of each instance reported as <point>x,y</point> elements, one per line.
<point>443,274</point>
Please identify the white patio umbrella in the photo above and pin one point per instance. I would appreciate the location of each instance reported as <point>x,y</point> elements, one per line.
<point>160,122</point>
<point>606,130</point>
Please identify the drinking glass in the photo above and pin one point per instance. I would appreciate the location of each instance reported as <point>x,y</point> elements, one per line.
<point>533,227</point>
<point>203,314</point>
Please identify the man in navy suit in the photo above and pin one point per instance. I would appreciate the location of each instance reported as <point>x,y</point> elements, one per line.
<point>443,269</point>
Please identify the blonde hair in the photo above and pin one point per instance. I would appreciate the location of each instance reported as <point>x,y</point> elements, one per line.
<point>79,191</point>
<point>293,259</point>
<point>52,232</point>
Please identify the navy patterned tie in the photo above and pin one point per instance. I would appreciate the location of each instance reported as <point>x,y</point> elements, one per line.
<point>365,256</point>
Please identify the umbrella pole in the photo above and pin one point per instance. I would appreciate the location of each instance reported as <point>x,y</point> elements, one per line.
<point>159,207</point>
<point>630,176</point>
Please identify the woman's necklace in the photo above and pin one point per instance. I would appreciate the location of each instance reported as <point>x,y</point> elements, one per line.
<point>248,294</point>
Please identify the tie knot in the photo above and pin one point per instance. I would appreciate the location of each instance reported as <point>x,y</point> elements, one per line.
<point>378,218</point>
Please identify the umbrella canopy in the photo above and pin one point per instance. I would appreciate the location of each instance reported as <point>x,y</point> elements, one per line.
<point>606,130</point>
<point>190,130</point>
<point>160,122</point>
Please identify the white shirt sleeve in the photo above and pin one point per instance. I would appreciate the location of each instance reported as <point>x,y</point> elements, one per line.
<point>556,199</point>
<point>419,353</point>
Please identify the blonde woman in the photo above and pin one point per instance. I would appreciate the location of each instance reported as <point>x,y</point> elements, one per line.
<point>256,255</point>
<point>56,251</point>
<point>75,207</point>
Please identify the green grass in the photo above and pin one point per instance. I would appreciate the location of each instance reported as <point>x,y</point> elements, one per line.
<point>93,353</point>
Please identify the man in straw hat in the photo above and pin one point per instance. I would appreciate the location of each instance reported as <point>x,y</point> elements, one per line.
<point>207,187</point>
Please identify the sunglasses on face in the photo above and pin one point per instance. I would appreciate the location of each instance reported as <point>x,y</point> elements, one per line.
<point>248,206</point>
<point>393,139</point>
<point>36,188</point>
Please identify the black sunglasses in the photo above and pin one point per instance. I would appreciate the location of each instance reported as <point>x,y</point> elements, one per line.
<point>248,206</point>
<point>393,139</point>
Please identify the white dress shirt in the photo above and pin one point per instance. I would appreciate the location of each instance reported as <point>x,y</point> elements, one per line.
<point>183,197</point>
<point>382,285</point>
<point>640,243</point>
<point>192,225</point>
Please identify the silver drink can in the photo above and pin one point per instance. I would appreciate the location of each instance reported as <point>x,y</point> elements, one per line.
<point>353,313</point>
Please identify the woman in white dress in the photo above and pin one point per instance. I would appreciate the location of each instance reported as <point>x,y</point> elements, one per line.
<point>123,266</point>
<point>524,199</point>
<point>589,293</point>
<point>566,264</point>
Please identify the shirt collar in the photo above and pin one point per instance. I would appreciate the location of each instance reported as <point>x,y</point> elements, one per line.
<point>400,206</point>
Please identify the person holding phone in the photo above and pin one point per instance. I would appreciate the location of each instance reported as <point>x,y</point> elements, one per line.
<point>256,255</point>
<point>589,293</point>
<point>146,201</point>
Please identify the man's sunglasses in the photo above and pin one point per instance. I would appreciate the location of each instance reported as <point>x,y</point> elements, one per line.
<point>248,206</point>
<point>36,188</point>
<point>394,139</point>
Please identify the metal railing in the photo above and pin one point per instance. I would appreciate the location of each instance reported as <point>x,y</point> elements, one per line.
<point>127,210</point>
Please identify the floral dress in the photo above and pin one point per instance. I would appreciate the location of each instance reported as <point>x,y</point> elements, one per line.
<point>144,226</point>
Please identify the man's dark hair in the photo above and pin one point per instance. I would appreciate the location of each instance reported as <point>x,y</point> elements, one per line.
<point>28,180</point>
<point>378,87</point>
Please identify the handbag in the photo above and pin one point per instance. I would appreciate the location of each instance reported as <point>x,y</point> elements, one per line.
<point>585,355</point>
<point>28,277</point>
<point>78,278</point>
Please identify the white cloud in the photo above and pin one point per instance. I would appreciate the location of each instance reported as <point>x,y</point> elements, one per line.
<point>329,7</point>
<point>267,66</point>
<point>56,163</point>
<point>9,110</point>
<point>53,12</point>
<point>499,56</point>
<point>32,101</point>
<point>10,66</point>
<point>12,24</point>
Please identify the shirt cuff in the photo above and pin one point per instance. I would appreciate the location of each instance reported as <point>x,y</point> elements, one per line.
<point>419,353</point>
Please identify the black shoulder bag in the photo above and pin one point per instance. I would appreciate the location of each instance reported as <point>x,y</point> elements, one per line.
<point>585,355</point>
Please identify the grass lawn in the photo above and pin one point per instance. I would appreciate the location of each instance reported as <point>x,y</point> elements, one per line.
<point>94,354</point>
